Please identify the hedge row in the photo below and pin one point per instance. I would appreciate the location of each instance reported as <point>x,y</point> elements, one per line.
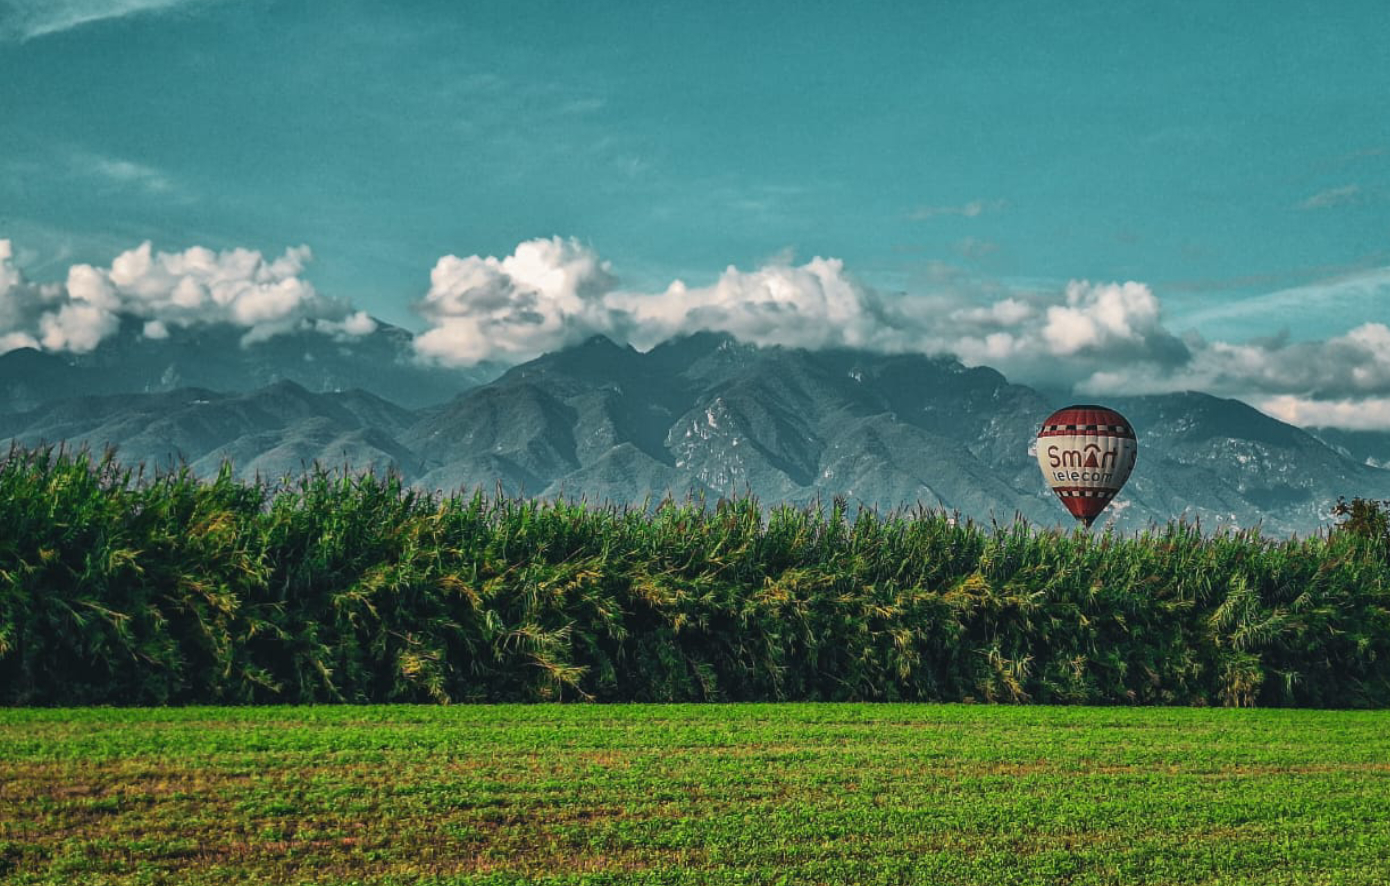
<point>121,588</point>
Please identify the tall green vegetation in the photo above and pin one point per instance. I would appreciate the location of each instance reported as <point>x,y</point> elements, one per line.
<point>121,588</point>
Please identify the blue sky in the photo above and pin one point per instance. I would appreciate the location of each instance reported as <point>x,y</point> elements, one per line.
<point>1233,159</point>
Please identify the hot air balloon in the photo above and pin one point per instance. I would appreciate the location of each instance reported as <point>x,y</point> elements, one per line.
<point>1086,454</point>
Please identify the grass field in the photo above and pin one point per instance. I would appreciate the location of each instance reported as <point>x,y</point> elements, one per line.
<point>834,793</point>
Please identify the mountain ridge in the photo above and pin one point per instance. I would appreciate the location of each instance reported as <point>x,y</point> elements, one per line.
<point>218,358</point>
<point>708,415</point>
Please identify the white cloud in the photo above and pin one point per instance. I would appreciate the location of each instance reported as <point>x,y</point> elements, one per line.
<point>21,303</point>
<point>27,19</point>
<point>815,305</point>
<point>1101,318</point>
<point>13,341</point>
<point>77,327</point>
<point>1368,414</point>
<point>1332,197</point>
<point>1008,312</point>
<point>973,209</point>
<point>545,295</point>
<point>352,326</point>
<point>9,273</point>
<point>241,287</point>
<point>123,173</point>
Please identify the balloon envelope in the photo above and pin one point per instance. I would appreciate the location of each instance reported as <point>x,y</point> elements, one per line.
<point>1086,454</point>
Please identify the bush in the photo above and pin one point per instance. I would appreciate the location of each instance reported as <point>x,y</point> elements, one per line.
<point>1364,518</point>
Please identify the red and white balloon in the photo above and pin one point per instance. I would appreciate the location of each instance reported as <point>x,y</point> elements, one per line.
<point>1086,454</point>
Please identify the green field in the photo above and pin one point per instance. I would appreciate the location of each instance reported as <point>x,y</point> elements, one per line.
<point>829,793</point>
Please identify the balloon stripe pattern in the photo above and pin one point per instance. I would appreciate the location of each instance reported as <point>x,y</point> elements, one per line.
<point>1086,454</point>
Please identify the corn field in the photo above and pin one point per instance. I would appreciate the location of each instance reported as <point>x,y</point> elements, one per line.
<point>118,587</point>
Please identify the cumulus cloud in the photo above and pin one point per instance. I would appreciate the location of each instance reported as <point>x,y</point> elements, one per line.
<point>22,304</point>
<point>241,287</point>
<point>544,296</point>
<point>814,305</point>
<point>1110,319</point>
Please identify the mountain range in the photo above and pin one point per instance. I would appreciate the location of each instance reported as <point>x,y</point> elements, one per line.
<point>703,415</point>
<point>216,357</point>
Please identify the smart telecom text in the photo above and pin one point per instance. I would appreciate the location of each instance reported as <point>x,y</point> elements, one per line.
<point>1090,456</point>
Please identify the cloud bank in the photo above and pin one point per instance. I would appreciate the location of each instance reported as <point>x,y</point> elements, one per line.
<point>240,287</point>
<point>554,292</point>
<point>1094,338</point>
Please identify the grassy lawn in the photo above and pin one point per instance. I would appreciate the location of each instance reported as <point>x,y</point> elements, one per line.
<point>834,793</point>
